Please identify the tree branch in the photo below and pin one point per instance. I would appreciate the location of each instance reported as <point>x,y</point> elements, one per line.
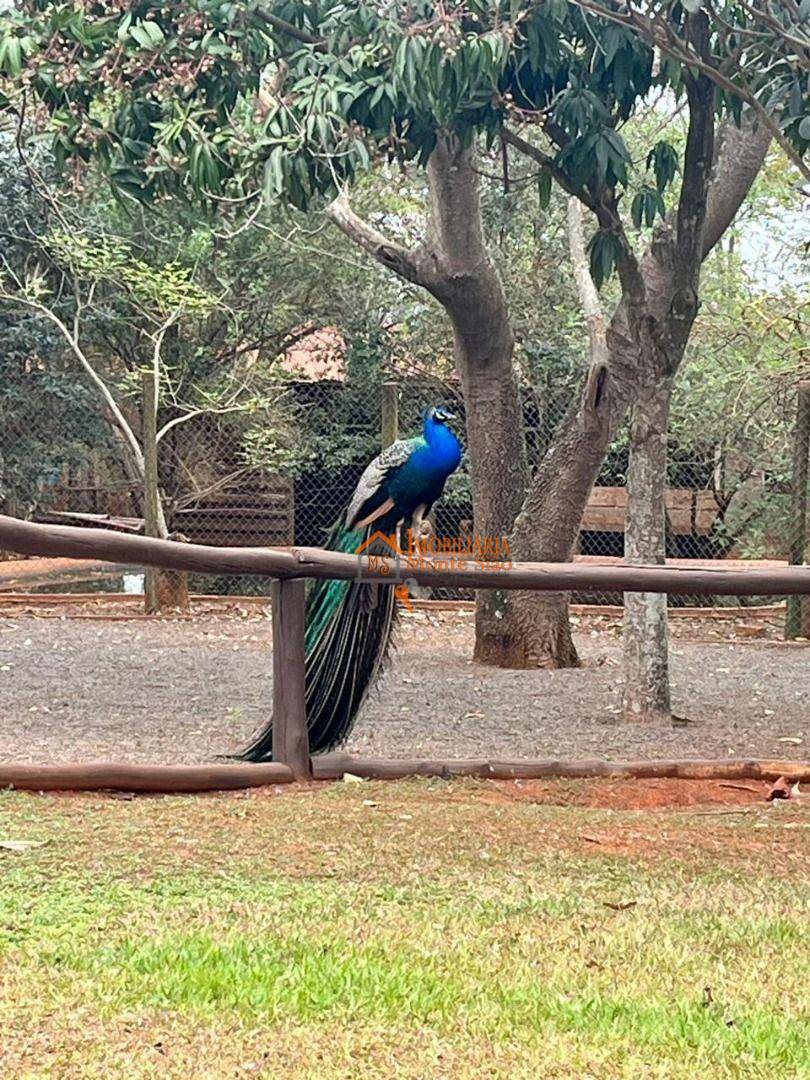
<point>588,296</point>
<point>661,36</point>
<point>697,162</point>
<point>288,28</point>
<point>604,208</point>
<point>739,156</point>
<point>98,382</point>
<point>627,266</point>
<point>413,266</point>
<point>212,410</point>
<point>549,165</point>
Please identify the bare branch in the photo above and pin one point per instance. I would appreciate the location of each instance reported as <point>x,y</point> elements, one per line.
<point>75,347</point>
<point>739,156</point>
<point>222,484</point>
<point>588,295</point>
<point>290,29</point>
<point>413,266</point>
<point>202,411</point>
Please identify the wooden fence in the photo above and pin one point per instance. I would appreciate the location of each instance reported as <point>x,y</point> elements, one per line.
<point>289,567</point>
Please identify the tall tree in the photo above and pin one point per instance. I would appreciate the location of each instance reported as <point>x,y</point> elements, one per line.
<point>165,99</point>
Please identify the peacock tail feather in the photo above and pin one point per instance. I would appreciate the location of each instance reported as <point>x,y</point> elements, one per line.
<point>349,626</point>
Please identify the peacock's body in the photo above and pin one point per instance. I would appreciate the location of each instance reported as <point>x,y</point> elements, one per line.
<point>349,623</point>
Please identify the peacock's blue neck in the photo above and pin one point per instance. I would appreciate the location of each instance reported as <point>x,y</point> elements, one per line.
<point>445,449</point>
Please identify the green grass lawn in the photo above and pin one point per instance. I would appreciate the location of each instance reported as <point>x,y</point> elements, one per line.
<point>416,929</point>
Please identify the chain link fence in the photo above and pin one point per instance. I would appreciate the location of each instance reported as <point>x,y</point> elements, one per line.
<point>282,474</point>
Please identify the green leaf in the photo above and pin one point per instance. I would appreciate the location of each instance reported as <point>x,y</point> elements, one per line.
<point>11,56</point>
<point>602,149</point>
<point>154,32</point>
<point>274,172</point>
<point>544,189</point>
<point>123,29</point>
<point>637,209</point>
<point>612,41</point>
<point>604,250</point>
<point>362,152</point>
<point>664,161</point>
<point>141,36</point>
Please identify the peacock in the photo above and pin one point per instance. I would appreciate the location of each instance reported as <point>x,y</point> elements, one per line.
<point>349,624</point>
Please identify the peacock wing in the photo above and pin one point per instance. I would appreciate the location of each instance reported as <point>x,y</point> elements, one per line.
<point>371,496</point>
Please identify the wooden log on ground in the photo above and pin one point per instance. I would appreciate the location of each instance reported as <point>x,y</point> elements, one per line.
<point>191,779</point>
<point>56,540</point>
<point>146,779</point>
<point>335,766</point>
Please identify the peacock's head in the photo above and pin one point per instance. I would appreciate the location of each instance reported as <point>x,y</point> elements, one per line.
<point>440,415</point>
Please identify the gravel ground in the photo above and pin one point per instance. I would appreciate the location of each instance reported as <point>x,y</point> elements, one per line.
<point>184,691</point>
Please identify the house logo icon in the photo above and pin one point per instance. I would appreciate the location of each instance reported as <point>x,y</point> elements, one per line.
<point>381,551</point>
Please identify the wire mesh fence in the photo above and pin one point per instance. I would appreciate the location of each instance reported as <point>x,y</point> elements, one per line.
<point>282,474</point>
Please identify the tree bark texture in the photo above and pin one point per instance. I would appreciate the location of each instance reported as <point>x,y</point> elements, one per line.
<point>661,294</point>
<point>646,653</point>
<point>646,646</point>
<point>471,292</point>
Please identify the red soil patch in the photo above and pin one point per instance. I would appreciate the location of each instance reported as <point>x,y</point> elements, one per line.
<point>593,794</point>
<point>628,794</point>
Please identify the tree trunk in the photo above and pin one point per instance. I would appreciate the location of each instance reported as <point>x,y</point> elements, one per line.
<point>531,629</point>
<point>470,290</point>
<point>797,621</point>
<point>164,590</point>
<point>536,631</point>
<point>646,656</point>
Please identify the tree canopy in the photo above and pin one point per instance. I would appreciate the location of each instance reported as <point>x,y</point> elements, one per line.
<point>292,100</point>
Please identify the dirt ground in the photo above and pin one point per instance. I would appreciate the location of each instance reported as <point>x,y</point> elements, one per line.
<point>187,690</point>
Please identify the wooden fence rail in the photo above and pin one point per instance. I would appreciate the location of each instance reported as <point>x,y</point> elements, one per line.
<point>306,562</point>
<point>287,565</point>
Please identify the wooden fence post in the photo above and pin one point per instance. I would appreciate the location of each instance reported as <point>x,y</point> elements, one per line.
<point>389,414</point>
<point>290,734</point>
<point>797,621</point>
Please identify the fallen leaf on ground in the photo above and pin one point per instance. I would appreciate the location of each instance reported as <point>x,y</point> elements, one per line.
<point>20,845</point>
